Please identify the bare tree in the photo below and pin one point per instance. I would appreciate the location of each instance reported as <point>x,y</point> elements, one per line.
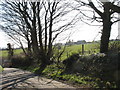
<point>103,11</point>
<point>44,21</point>
<point>14,25</point>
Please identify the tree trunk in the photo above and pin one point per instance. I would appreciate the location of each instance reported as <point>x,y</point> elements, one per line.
<point>29,52</point>
<point>34,33</point>
<point>105,37</point>
<point>50,38</point>
<point>106,30</point>
<point>29,48</point>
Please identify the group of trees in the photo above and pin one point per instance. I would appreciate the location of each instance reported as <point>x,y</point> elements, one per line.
<point>40,23</point>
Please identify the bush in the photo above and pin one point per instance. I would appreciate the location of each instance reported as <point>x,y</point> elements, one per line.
<point>20,61</point>
<point>114,46</point>
<point>69,62</point>
<point>96,65</point>
<point>77,63</point>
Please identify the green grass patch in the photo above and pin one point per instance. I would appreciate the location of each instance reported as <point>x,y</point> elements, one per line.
<point>82,81</point>
<point>4,53</point>
<point>88,48</point>
<point>1,68</point>
<point>79,80</point>
<point>18,51</point>
<point>92,47</point>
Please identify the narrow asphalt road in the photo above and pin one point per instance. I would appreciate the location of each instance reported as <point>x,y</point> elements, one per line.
<point>16,78</point>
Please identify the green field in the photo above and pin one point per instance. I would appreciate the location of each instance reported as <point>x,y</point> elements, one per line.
<point>88,49</point>
<point>4,53</point>
<point>69,50</point>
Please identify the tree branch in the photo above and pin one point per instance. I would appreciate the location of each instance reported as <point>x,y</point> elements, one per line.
<point>93,7</point>
<point>115,8</point>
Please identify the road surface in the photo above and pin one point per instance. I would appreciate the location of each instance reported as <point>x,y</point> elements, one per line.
<point>16,78</point>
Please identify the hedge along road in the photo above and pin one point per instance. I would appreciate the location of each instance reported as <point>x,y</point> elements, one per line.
<point>16,78</point>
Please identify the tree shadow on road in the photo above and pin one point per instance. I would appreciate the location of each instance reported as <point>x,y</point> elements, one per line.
<point>12,79</point>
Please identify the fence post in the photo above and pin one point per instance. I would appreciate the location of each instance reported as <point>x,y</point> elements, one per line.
<point>10,51</point>
<point>82,49</point>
